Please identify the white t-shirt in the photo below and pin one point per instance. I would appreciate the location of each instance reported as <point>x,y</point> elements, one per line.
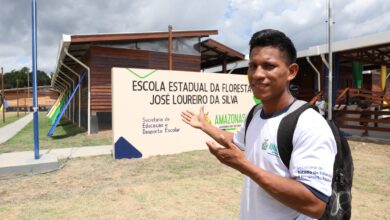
<point>312,158</point>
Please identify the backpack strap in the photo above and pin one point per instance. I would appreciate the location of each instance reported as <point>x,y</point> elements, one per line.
<point>342,152</point>
<point>337,136</point>
<point>286,130</point>
<point>249,118</point>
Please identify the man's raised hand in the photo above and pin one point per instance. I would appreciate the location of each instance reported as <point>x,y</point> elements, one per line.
<point>193,119</point>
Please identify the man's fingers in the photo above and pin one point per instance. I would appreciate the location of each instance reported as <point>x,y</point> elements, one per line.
<point>212,147</point>
<point>225,142</point>
<point>218,152</point>
<point>185,121</point>
<point>190,112</point>
<point>185,116</point>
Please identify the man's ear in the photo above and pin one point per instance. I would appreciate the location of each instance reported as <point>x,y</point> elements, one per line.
<point>292,71</point>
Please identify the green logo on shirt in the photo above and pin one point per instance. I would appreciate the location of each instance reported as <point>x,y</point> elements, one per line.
<point>270,148</point>
<point>264,145</point>
<point>273,150</point>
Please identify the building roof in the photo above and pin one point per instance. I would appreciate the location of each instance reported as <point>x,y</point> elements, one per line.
<point>214,53</point>
<point>374,49</point>
<point>78,45</point>
<point>130,37</point>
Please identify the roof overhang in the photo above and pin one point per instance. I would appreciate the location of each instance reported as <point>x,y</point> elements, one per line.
<point>371,49</point>
<point>214,53</point>
<point>130,37</point>
<point>78,45</point>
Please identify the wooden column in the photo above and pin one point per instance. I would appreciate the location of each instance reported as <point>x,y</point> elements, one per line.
<point>2,93</point>
<point>28,91</point>
<point>25,104</point>
<point>170,47</point>
<point>224,65</point>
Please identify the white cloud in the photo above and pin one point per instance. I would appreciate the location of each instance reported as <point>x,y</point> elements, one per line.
<point>236,20</point>
<point>358,8</point>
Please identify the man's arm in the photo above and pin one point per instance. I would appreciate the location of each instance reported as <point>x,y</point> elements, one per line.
<point>287,191</point>
<point>199,121</point>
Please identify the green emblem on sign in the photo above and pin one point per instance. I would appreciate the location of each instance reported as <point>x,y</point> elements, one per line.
<point>141,77</point>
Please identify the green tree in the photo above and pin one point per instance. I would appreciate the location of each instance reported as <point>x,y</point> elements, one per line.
<point>21,75</point>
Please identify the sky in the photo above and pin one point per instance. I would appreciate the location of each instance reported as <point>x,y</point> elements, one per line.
<point>304,21</point>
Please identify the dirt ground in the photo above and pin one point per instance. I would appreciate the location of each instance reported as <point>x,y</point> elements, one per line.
<point>190,185</point>
<point>371,188</point>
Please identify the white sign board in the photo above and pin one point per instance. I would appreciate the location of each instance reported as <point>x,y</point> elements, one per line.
<point>146,108</point>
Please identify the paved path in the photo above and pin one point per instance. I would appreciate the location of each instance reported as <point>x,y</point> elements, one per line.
<point>62,153</point>
<point>18,163</point>
<point>24,162</point>
<point>73,152</point>
<point>10,130</point>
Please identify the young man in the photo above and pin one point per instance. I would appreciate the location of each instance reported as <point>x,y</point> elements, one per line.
<point>271,190</point>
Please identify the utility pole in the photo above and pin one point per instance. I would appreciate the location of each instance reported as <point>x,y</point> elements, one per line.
<point>2,93</point>
<point>330,60</point>
<point>34,78</point>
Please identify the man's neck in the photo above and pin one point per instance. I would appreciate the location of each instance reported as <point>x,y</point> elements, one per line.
<point>272,106</point>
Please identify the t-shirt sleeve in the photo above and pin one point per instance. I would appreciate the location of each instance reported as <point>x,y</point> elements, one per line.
<point>314,150</point>
<point>238,138</point>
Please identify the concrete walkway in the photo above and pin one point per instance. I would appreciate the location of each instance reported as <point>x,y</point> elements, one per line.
<point>22,163</point>
<point>73,152</point>
<point>10,130</point>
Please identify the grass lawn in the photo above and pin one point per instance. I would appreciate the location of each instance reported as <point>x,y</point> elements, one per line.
<point>10,117</point>
<point>66,135</point>
<point>191,185</point>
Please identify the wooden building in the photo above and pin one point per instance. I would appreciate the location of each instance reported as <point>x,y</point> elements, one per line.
<point>361,69</point>
<point>360,89</point>
<point>21,98</point>
<point>96,54</point>
<point>371,53</point>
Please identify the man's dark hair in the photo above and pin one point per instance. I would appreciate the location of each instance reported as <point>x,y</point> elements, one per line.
<point>277,39</point>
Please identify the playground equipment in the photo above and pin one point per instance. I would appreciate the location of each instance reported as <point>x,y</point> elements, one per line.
<point>57,111</point>
<point>5,106</point>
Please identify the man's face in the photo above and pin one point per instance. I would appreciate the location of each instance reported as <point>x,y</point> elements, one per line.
<point>268,73</point>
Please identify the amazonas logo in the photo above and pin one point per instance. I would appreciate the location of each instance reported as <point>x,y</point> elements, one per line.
<point>229,121</point>
<point>270,148</point>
